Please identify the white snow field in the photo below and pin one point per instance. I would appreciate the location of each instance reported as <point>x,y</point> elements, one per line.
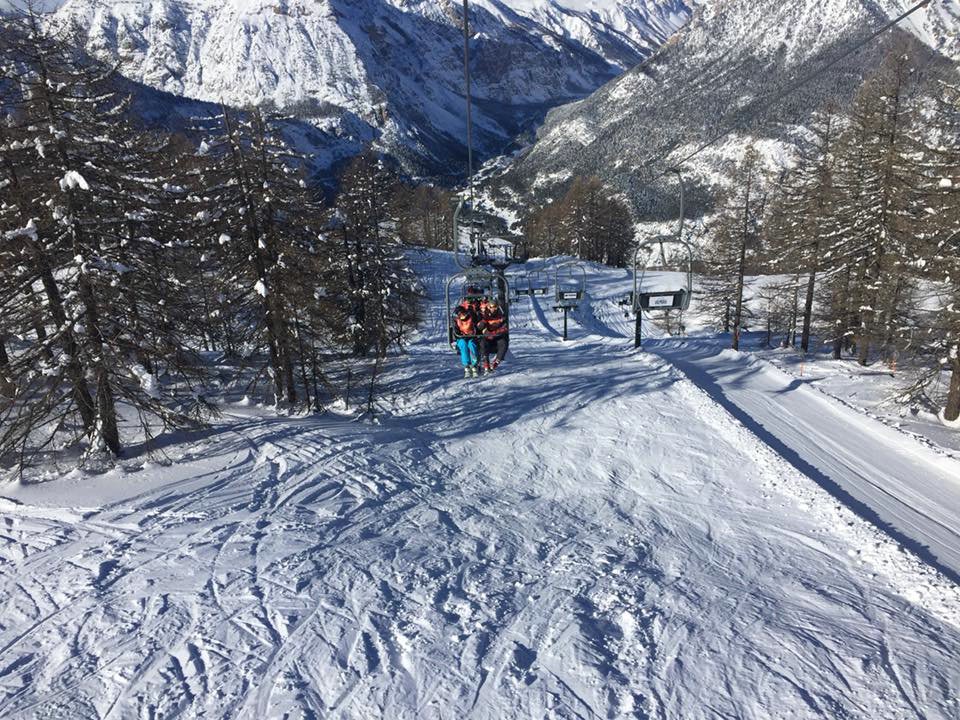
<point>591,534</point>
<point>888,476</point>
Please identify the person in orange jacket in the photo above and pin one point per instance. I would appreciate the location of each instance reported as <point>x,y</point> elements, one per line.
<point>495,335</point>
<point>465,330</point>
<point>471,305</point>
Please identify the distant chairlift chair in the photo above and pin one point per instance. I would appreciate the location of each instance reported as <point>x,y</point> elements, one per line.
<point>570,285</point>
<point>665,281</point>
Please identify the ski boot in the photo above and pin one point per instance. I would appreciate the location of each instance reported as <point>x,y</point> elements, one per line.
<point>474,371</point>
<point>467,372</point>
<point>486,368</point>
<point>495,365</point>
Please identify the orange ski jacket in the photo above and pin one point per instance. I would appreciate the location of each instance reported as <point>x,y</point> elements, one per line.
<point>493,323</point>
<point>466,322</point>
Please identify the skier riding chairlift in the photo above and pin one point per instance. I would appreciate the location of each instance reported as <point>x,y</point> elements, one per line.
<point>465,331</point>
<point>495,335</point>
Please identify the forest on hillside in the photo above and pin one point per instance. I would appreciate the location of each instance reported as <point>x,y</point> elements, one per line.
<point>130,258</point>
<point>862,231</point>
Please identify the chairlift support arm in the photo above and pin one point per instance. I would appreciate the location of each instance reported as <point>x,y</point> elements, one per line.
<point>638,276</point>
<point>573,271</point>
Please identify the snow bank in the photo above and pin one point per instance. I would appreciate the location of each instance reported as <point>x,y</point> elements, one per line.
<point>72,181</point>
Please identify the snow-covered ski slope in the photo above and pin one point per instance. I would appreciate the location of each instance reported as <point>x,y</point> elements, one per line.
<point>594,533</point>
<point>887,475</point>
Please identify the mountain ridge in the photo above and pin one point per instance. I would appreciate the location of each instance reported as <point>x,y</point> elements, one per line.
<point>388,70</point>
<point>716,73</point>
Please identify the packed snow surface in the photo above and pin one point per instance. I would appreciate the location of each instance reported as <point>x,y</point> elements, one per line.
<point>594,533</point>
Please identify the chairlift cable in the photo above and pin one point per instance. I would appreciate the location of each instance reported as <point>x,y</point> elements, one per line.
<point>466,78</point>
<point>778,97</point>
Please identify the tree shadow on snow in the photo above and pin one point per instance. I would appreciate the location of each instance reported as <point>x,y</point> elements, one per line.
<point>579,375</point>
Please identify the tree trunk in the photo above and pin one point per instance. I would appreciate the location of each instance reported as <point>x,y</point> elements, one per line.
<point>839,300</point>
<point>951,411</point>
<point>106,423</point>
<point>314,373</point>
<point>303,358</point>
<point>794,311</point>
<point>863,346</point>
<point>741,271</point>
<point>371,392</point>
<point>36,321</point>
<point>889,315</point>
<point>808,305</point>
<point>7,388</point>
<point>281,329</point>
<point>107,413</point>
<point>207,335</point>
<point>865,321</point>
<point>74,372</point>
<point>281,335</point>
<point>126,290</point>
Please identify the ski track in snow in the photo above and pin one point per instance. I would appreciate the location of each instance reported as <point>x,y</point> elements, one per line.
<point>587,535</point>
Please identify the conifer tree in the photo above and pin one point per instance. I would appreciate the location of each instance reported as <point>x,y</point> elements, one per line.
<point>875,200</point>
<point>934,325</point>
<point>733,246</point>
<point>799,231</point>
<point>425,215</point>
<point>258,221</point>
<point>587,222</point>
<point>383,292</point>
<point>79,224</point>
<point>542,230</point>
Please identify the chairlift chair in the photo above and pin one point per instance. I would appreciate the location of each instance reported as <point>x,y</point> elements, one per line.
<point>538,281</point>
<point>658,291</point>
<point>570,284</point>
<point>496,252</point>
<point>475,284</point>
<point>665,296</point>
<point>519,285</point>
<point>467,229</point>
<point>474,267</point>
<point>569,287</point>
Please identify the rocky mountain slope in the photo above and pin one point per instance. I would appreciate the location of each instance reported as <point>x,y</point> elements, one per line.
<point>388,71</point>
<point>719,71</point>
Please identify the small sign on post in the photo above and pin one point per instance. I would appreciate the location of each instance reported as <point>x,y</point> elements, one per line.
<point>570,286</point>
<point>669,300</point>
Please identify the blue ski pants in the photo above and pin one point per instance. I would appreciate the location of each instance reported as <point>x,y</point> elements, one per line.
<point>468,351</point>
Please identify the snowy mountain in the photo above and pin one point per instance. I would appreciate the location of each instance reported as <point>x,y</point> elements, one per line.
<point>389,70</point>
<point>720,70</point>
